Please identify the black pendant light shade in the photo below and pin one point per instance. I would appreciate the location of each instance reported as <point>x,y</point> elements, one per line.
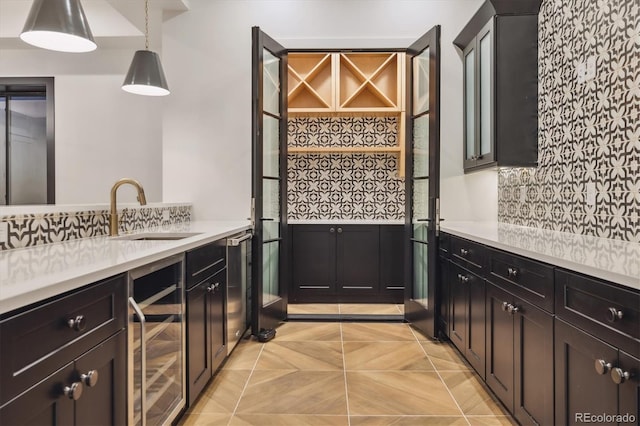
<point>145,76</point>
<point>58,25</point>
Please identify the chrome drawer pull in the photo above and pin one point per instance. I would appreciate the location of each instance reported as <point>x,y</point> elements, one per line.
<point>602,366</point>
<point>74,391</point>
<point>513,272</point>
<point>78,323</point>
<point>90,378</point>
<point>615,315</point>
<point>619,376</point>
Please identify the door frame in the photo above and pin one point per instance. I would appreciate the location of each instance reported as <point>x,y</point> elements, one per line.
<point>423,319</point>
<point>267,317</point>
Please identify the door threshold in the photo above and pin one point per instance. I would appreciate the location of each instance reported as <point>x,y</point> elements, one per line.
<point>345,317</point>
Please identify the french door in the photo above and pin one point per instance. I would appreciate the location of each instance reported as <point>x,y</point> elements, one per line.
<point>269,183</point>
<point>422,181</point>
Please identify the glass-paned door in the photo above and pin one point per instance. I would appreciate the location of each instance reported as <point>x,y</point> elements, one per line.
<point>423,178</point>
<point>269,297</point>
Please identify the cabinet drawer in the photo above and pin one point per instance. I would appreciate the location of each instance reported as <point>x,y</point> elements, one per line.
<point>205,261</point>
<point>39,341</point>
<point>468,254</point>
<point>526,278</point>
<point>606,311</point>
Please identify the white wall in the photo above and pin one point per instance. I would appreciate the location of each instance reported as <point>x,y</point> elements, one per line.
<point>207,59</point>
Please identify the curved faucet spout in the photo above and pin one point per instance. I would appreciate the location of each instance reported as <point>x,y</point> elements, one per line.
<point>113,216</point>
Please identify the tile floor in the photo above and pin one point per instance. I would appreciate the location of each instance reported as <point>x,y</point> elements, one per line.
<point>351,374</point>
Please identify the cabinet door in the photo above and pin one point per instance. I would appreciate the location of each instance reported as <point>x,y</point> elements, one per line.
<point>392,262</point>
<point>533,374</point>
<point>104,397</point>
<point>500,342</point>
<point>458,294</point>
<point>358,254</point>
<point>485,152</point>
<point>470,106</point>
<point>198,339</point>
<point>579,388</point>
<point>314,262</point>
<point>475,349</point>
<point>216,319</point>
<point>43,404</point>
<point>443,314</point>
<point>629,388</point>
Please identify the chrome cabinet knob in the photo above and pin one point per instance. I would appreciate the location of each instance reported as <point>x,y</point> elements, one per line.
<point>505,306</point>
<point>339,230</point>
<point>513,309</point>
<point>619,376</point>
<point>602,366</point>
<point>463,278</point>
<point>213,287</point>
<point>615,315</point>
<point>79,323</point>
<point>513,272</point>
<point>90,378</point>
<point>332,230</point>
<point>464,252</point>
<point>74,391</point>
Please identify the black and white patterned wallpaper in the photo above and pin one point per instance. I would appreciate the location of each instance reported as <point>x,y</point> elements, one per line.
<point>28,230</point>
<point>340,185</point>
<point>588,177</point>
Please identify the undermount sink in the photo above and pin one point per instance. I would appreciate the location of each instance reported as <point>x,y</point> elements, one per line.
<point>150,236</point>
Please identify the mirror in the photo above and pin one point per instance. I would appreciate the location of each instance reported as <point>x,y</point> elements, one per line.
<point>27,174</point>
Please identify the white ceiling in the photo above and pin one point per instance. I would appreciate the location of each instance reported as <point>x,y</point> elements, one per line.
<point>109,19</point>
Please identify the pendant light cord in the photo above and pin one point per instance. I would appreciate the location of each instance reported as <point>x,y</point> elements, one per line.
<point>146,24</point>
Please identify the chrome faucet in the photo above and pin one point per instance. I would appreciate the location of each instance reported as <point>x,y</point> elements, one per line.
<point>113,217</point>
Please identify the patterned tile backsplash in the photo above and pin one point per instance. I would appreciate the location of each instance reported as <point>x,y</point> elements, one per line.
<point>588,177</point>
<point>339,185</point>
<point>26,230</point>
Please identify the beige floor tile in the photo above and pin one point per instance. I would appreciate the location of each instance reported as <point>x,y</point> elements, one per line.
<point>313,308</point>
<point>318,356</point>
<point>470,394</point>
<point>205,419</point>
<point>288,420</point>
<point>400,308</point>
<point>308,331</point>
<point>376,332</point>
<point>407,421</point>
<point>491,421</point>
<point>369,308</point>
<point>244,356</point>
<point>398,393</point>
<point>222,394</point>
<point>445,357</point>
<point>385,356</point>
<point>294,392</point>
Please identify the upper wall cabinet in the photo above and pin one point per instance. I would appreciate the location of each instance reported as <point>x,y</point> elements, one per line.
<point>500,60</point>
<point>365,82</point>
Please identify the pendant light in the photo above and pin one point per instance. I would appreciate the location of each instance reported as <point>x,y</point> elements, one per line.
<point>58,25</point>
<point>145,76</point>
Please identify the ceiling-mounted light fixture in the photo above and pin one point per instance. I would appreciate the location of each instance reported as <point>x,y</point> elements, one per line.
<point>145,76</point>
<point>58,25</point>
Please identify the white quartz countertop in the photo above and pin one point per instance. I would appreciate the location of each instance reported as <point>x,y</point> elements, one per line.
<point>612,260</point>
<point>28,275</point>
<point>345,222</point>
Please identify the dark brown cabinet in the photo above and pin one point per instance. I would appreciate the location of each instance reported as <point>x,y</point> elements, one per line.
<point>597,350</point>
<point>347,263</point>
<point>467,315</point>
<point>79,375</point>
<point>205,315</point>
<point>444,287</point>
<point>499,47</point>
<point>520,356</point>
